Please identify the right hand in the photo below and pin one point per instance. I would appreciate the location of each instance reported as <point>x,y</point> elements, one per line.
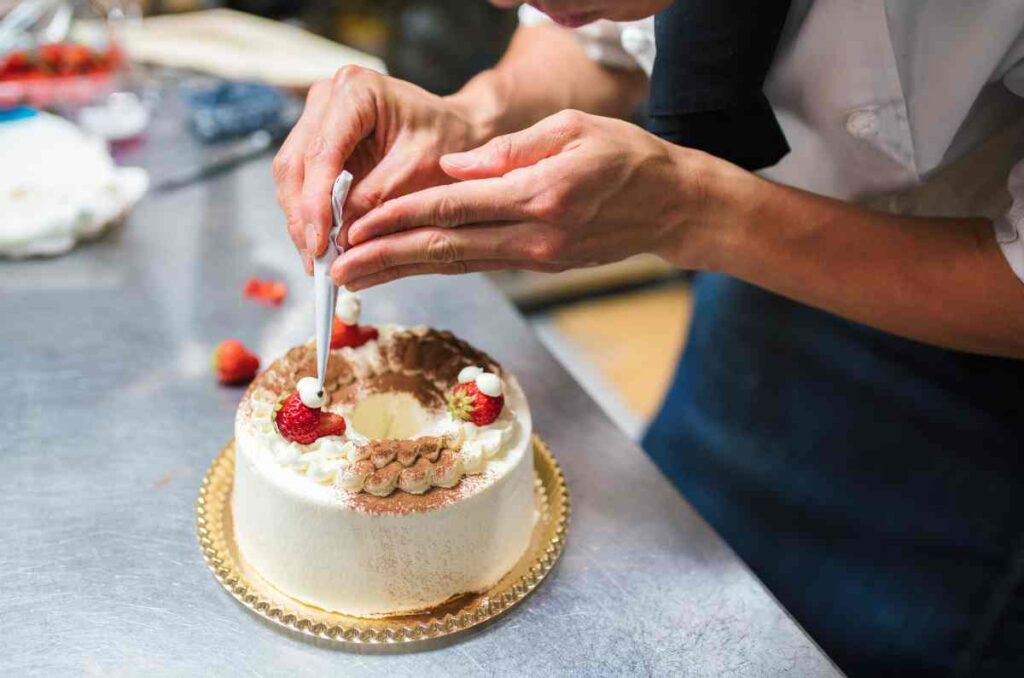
<point>388,133</point>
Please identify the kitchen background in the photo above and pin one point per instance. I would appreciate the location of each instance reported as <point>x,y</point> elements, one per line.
<point>617,328</point>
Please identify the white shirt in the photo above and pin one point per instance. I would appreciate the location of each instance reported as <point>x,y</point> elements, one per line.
<point>909,107</point>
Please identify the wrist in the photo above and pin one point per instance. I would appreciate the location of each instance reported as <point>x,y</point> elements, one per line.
<point>720,202</point>
<point>478,103</point>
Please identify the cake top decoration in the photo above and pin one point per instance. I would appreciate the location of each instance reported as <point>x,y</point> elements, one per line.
<point>302,424</point>
<point>477,398</point>
<point>310,393</point>
<point>384,423</point>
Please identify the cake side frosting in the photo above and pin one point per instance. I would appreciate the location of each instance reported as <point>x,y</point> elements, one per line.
<point>331,553</point>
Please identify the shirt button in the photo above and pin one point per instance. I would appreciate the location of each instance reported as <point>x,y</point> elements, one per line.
<point>862,124</point>
<point>635,40</point>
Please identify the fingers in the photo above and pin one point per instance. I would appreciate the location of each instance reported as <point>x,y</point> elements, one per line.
<point>348,119</point>
<point>524,244</point>
<point>448,206</point>
<point>455,268</point>
<point>423,245</point>
<point>489,192</point>
<point>503,154</point>
<point>393,175</point>
<point>288,166</point>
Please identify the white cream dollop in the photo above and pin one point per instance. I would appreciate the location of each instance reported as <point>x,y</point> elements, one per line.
<point>310,393</point>
<point>478,444</point>
<point>323,470</point>
<point>416,483</point>
<point>489,384</point>
<point>469,373</point>
<point>351,478</point>
<point>348,308</point>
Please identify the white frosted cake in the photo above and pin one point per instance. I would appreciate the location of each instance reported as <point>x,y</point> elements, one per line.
<point>411,505</point>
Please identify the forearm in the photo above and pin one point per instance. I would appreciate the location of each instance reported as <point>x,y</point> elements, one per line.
<point>545,71</point>
<point>940,281</point>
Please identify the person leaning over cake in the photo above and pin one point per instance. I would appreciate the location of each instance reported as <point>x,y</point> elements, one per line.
<point>849,409</point>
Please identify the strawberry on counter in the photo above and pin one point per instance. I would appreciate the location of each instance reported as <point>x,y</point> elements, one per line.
<point>233,363</point>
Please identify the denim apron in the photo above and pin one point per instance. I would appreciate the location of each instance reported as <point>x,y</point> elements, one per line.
<point>873,483</point>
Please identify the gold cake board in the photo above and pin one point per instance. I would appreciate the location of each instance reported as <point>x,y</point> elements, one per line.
<point>217,540</point>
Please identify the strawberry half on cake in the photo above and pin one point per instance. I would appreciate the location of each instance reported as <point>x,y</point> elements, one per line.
<point>406,483</point>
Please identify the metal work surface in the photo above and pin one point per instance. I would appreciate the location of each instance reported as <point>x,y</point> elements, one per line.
<point>111,417</point>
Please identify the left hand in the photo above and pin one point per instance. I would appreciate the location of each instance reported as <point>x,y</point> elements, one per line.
<point>573,190</point>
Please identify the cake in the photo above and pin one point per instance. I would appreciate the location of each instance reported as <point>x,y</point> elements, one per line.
<point>413,504</point>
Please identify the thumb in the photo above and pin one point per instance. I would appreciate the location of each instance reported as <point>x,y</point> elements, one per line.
<point>502,154</point>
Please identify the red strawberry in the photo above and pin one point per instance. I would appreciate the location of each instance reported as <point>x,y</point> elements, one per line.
<point>468,403</point>
<point>343,335</point>
<point>233,363</point>
<point>51,54</point>
<point>330,425</point>
<point>304,425</point>
<point>271,292</point>
<point>14,64</point>
<point>75,58</point>
<point>297,422</point>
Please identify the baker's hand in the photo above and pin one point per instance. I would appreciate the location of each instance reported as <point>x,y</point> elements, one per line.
<point>573,190</point>
<point>387,132</point>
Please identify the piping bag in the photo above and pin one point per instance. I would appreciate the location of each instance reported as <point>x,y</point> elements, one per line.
<point>325,292</point>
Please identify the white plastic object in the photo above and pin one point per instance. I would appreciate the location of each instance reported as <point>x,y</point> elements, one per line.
<point>325,292</point>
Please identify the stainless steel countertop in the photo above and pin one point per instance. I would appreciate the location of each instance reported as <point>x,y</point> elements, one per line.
<point>111,418</point>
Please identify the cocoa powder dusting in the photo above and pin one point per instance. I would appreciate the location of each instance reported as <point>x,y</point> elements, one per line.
<point>422,362</point>
<point>402,503</point>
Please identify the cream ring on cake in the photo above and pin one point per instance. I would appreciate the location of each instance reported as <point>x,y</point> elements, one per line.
<point>411,505</point>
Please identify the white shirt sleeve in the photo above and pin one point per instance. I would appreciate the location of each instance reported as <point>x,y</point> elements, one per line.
<point>601,40</point>
<point>1010,227</point>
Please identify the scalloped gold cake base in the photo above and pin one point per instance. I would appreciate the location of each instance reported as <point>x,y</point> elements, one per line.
<point>217,540</point>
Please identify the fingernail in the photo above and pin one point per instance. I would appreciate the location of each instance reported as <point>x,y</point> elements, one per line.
<point>307,263</point>
<point>459,160</point>
<point>312,239</point>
